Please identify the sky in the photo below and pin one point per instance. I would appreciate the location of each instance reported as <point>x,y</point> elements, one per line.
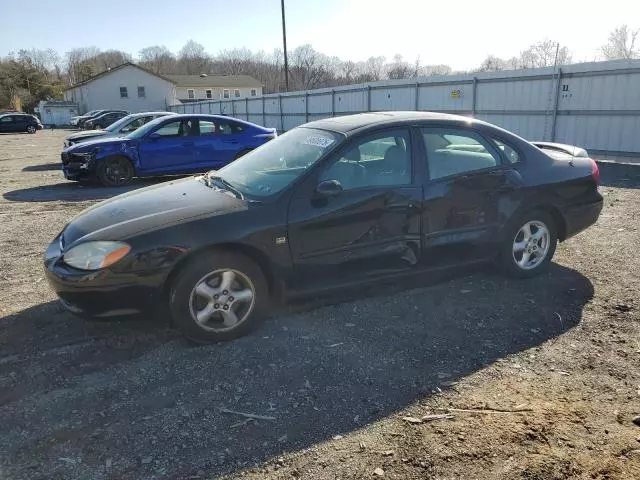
<point>459,33</point>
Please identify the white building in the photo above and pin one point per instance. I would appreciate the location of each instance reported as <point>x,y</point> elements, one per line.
<point>135,89</point>
<point>193,88</point>
<point>57,112</point>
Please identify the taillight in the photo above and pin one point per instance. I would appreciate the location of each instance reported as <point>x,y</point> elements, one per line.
<point>595,172</point>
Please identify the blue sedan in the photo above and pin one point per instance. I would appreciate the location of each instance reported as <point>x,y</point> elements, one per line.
<point>173,145</point>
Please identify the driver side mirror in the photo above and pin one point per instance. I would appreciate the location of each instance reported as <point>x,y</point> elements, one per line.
<point>329,188</point>
<point>154,136</point>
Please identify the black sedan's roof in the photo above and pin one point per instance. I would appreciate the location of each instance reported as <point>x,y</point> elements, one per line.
<point>350,123</point>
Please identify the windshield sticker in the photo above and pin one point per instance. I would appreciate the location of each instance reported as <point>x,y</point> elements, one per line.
<point>323,142</point>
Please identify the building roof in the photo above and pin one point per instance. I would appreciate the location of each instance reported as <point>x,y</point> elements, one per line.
<point>185,80</point>
<point>214,81</point>
<point>111,70</point>
<point>58,103</point>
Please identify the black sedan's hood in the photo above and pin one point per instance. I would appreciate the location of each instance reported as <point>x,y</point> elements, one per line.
<point>150,208</point>
<point>87,134</point>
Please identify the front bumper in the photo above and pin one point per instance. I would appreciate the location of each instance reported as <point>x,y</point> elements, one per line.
<point>580,217</point>
<point>100,293</point>
<point>76,166</point>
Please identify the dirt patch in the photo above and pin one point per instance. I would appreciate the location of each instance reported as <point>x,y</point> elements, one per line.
<point>540,378</point>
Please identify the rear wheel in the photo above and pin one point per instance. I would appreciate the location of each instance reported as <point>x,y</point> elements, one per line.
<point>218,296</point>
<point>529,244</point>
<point>31,129</point>
<point>115,171</point>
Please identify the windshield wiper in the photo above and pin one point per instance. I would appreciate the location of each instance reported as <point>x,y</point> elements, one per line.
<point>209,178</point>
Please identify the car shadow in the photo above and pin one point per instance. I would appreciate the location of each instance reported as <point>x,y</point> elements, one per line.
<point>76,192</point>
<point>44,167</point>
<point>138,394</point>
<point>621,175</point>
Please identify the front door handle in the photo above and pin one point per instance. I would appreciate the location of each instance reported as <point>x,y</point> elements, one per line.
<point>230,141</point>
<point>187,144</point>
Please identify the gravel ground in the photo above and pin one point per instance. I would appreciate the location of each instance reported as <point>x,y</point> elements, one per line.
<point>540,378</point>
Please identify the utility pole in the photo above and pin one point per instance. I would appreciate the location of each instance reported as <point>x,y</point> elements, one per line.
<point>284,41</point>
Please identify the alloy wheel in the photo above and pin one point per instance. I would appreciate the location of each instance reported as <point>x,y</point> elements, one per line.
<point>222,300</point>
<point>31,129</point>
<point>118,171</point>
<point>531,245</point>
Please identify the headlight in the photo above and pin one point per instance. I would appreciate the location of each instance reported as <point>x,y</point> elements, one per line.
<point>95,255</point>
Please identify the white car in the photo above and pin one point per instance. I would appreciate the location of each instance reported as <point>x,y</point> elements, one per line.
<point>122,127</point>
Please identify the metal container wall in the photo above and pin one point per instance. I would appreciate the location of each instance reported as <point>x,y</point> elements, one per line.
<point>593,105</point>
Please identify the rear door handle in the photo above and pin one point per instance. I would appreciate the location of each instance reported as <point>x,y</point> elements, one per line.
<point>400,207</point>
<point>187,144</point>
<point>230,141</point>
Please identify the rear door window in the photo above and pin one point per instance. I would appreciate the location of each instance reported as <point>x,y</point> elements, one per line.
<point>456,152</point>
<point>225,128</point>
<point>207,128</point>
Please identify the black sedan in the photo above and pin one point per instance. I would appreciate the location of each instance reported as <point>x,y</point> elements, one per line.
<point>333,203</point>
<point>104,120</point>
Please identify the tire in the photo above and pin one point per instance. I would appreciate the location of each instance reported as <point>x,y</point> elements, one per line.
<point>523,257</point>
<point>241,153</point>
<point>115,172</point>
<point>199,291</point>
<point>31,129</point>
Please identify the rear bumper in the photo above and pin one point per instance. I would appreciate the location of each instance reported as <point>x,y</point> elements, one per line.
<point>580,217</point>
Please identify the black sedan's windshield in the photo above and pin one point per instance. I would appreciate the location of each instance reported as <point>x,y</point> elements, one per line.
<point>276,164</point>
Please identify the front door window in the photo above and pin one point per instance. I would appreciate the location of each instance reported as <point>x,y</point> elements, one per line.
<point>384,159</point>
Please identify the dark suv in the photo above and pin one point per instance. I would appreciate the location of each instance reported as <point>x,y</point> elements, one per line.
<point>83,120</point>
<point>19,122</point>
<point>104,120</point>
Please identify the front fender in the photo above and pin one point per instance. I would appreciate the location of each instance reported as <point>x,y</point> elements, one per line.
<point>123,149</point>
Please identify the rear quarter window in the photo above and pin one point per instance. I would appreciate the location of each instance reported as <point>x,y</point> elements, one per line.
<point>510,153</point>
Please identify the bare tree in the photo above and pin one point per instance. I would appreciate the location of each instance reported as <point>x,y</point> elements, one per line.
<point>309,68</point>
<point>349,70</point>
<point>374,68</point>
<point>192,59</point>
<point>79,66</point>
<point>492,64</point>
<point>399,68</point>
<point>235,61</point>
<point>110,59</point>
<point>434,70</point>
<point>158,59</point>
<point>622,44</point>
<point>543,54</point>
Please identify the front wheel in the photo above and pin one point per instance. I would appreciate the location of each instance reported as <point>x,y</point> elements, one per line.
<point>31,129</point>
<point>529,244</point>
<point>115,172</point>
<point>218,296</point>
